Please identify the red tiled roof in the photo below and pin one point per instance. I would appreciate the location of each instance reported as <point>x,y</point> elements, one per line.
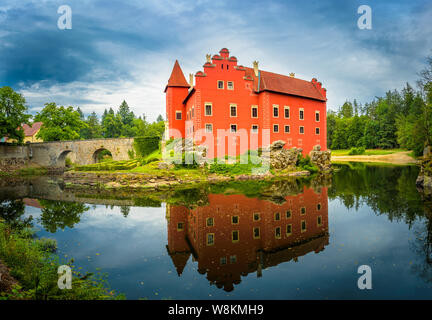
<point>177,78</point>
<point>30,131</point>
<point>284,84</point>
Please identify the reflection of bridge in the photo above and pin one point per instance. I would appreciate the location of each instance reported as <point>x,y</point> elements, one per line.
<point>53,154</point>
<point>235,235</point>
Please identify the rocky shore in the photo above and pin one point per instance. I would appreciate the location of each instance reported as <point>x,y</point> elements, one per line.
<point>117,180</point>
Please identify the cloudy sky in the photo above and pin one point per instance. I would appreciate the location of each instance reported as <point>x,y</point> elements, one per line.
<point>126,49</point>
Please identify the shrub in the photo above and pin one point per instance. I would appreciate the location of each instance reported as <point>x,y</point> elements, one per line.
<point>356,151</point>
<point>146,145</point>
<point>306,164</point>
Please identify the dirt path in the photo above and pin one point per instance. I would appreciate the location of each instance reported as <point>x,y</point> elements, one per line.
<point>395,158</point>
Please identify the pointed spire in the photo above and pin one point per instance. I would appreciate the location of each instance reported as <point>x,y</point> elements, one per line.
<point>177,78</point>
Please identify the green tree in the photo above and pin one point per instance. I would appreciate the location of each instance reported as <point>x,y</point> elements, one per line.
<point>112,125</point>
<point>159,118</point>
<point>93,129</point>
<point>12,114</point>
<point>59,123</point>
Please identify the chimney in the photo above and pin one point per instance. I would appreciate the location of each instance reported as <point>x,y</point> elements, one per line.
<point>255,66</point>
<point>292,74</point>
<point>191,79</point>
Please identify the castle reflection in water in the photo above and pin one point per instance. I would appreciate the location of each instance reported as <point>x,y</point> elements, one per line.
<point>234,235</point>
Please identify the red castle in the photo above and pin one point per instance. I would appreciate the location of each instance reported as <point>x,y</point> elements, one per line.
<point>234,98</point>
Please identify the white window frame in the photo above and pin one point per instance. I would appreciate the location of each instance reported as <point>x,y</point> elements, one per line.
<point>319,131</point>
<point>289,128</point>
<point>300,130</point>
<point>233,124</point>
<point>205,109</point>
<point>289,112</point>
<point>232,85</point>
<point>181,115</point>
<point>300,110</point>
<point>211,127</point>
<point>252,128</point>
<point>275,106</point>
<point>275,124</point>
<point>223,84</point>
<point>233,105</point>
<point>254,107</point>
<point>319,116</point>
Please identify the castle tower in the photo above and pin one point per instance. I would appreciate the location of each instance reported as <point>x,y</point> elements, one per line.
<point>176,91</point>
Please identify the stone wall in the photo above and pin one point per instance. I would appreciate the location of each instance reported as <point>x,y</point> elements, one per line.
<point>13,157</point>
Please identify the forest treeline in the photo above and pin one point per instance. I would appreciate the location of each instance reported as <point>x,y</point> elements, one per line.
<point>400,119</point>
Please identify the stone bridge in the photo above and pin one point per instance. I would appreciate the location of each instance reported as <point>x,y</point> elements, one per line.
<point>53,154</point>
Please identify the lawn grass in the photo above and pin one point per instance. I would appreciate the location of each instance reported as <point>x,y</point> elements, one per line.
<point>368,152</point>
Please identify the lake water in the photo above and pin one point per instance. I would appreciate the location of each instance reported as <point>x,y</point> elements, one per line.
<point>284,240</point>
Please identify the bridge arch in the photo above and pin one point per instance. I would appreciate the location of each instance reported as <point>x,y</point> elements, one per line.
<point>61,159</point>
<point>96,154</point>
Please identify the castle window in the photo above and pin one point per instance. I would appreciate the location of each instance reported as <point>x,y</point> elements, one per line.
<point>210,239</point>
<point>254,112</point>
<point>209,128</point>
<point>303,225</point>
<point>289,141</point>
<point>254,128</point>
<point>301,114</point>
<point>210,222</point>
<point>319,221</point>
<point>286,112</point>
<point>278,233</point>
<point>208,109</point>
<point>301,129</point>
<point>275,111</point>
<point>287,129</point>
<point>223,261</point>
<point>235,219</point>
<point>256,233</point>
<point>193,111</point>
<point>235,236</point>
<point>178,115</point>
<point>233,128</point>
<point>302,210</point>
<point>277,216</point>
<point>317,116</point>
<point>319,206</point>
<point>289,229</point>
<point>233,259</point>
<point>233,111</point>
<point>288,214</point>
<point>275,128</point>
<point>256,217</point>
<point>180,226</point>
<point>317,131</point>
<point>220,84</point>
<point>222,66</point>
<point>230,85</point>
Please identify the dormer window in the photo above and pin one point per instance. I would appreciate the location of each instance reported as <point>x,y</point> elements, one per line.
<point>220,84</point>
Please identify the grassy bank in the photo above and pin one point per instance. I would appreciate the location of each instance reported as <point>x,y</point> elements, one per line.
<point>34,264</point>
<point>368,152</point>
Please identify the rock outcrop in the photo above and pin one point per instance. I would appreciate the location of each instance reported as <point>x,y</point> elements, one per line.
<point>281,158</point>
<point>183,150</point>
<point>322,159</point>
<point>424,179</point>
